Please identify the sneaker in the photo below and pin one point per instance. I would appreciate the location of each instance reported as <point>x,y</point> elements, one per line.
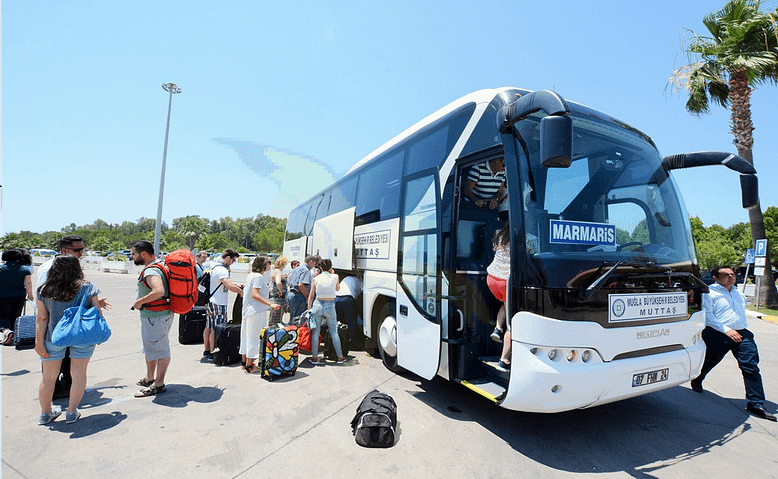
<point>497,335</point>
<point>47,417</point>
<point>503,366</point>
<point>206,353</point>
<point>341,360</point>
<point>71,417</point>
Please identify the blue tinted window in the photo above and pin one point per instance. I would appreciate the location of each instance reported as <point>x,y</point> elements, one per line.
<point>379,188</point>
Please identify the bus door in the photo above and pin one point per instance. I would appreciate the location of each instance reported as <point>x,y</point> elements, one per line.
<point>472,230</point>
<point>419,275</point>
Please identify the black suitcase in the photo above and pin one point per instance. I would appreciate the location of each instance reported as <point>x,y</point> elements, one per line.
<point>227,344</point>
<point>191,326</point>
<point>329,348</point>
<point>24,332</point>
<point>279,351</point>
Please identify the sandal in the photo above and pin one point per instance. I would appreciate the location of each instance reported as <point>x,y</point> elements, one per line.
<point>150,391</point>
<point>145,382</point>
<point>7,337</point>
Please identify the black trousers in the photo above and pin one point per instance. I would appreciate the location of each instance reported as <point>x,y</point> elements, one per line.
<point>719,344</point>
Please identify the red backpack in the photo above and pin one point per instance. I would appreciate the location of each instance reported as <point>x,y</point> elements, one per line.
<point>181,275</point>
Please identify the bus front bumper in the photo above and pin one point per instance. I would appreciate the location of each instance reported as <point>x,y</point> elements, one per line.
<point>539,384</point>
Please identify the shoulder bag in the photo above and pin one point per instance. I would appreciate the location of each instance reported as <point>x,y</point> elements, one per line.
<point>81,326</point>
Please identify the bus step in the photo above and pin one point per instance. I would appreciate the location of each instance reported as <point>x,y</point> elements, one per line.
<point>491,367</point>
<point>486,388</point>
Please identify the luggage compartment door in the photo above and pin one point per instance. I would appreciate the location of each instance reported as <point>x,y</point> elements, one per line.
<point>333,238</point>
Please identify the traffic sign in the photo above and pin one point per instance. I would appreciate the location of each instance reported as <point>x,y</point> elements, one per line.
<point>750,256</point>
<point>761,247</point>
<point>759,271</point>
<point>760,261</point>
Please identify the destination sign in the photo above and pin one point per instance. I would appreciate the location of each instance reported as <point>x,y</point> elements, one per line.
<point>579,232</point>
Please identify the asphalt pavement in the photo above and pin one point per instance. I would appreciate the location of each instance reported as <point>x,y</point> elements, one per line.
<point>218,422</point>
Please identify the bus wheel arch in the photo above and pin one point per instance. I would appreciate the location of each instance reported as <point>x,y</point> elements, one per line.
<point>386,337</point>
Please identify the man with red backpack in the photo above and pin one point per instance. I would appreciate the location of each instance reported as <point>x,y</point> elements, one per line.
<point>156,319</point>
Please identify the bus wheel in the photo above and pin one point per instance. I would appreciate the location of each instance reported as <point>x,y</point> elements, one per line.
<point>387,338</point>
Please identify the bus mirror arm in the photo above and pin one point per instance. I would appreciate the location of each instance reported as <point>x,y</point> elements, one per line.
<point>748,182</point>
<point>706,158</point>
<point>556,129</point>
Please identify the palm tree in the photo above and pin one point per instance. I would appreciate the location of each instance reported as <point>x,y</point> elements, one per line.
<point>190,227</point>
<point>740,54</point>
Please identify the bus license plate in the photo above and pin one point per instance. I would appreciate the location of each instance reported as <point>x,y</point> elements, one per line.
<point>650,377</point>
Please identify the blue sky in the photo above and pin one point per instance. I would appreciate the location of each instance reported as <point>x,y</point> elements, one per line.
<point>281,98</point>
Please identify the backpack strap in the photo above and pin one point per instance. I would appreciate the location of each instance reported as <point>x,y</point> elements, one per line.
<point>162,303</point>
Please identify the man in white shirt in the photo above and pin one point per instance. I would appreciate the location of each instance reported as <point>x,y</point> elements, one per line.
<point>726,330</point>
<point>216,309</point>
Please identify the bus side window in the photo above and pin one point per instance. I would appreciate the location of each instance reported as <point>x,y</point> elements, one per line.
<point>379,185</point>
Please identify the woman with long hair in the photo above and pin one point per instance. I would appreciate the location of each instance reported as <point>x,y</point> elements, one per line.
<point>63,285</point>
<point>497,281</point>
<point>256,303</point>
<point>323,288</point>
<point>278,290</point>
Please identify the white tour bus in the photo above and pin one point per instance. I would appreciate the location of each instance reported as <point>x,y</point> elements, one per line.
<point>603,296</point>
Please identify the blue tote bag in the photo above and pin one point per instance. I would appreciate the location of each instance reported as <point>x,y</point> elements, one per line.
<point>81,326</point>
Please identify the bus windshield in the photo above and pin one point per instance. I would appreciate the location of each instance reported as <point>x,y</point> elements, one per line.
<point>614,203</point>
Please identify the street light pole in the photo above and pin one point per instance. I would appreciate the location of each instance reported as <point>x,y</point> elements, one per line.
<point>170,88</point>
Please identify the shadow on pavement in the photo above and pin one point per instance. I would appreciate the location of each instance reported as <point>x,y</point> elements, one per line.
<point>88,425</point>
<point>638,436</point>
<point>179,395</point>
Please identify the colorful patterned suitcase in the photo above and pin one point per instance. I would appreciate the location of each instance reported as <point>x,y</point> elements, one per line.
<point>279,354</point>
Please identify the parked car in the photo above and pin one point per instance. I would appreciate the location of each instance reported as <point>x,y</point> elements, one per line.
<point>42,252</point>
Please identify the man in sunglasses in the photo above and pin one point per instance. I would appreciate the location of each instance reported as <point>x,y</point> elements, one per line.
<point>726,330</point>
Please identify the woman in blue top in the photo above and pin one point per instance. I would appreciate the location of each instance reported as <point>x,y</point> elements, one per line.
<point>15,284</point>
<point>59,292</point>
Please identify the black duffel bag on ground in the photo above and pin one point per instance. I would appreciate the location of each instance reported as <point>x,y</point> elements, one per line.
<point>375,421</point>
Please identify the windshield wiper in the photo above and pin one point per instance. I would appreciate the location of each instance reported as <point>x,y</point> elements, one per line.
<point>599,282</point>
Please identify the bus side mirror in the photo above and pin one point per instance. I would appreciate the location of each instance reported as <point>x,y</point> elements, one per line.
<point>749,188</point>
<point>556,141</point>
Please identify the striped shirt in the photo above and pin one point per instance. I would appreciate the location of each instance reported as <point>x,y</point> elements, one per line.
<point>487,183</point>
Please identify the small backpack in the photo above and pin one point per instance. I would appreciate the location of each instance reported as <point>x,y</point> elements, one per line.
<point>375,420</point>
<point>204,291</point>
<point>180,273</point>
<point>204,288</point>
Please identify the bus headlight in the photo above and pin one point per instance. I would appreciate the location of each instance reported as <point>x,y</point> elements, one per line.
<point>551,354</point>
<point>586,356</point>
<point>571,355</point>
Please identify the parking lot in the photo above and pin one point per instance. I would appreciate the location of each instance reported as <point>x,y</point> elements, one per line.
<point>219,422</point>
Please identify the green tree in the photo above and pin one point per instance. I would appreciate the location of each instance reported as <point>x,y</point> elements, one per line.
<point>740,54</point>
<point>215,242</point>
<point>269,240</point>
<point>190,227</point>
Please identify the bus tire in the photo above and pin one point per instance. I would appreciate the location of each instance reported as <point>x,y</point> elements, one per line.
<point>387,338</point>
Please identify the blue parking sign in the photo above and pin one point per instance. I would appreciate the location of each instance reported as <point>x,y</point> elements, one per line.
<point>761,247</point>
<point>750,256</point>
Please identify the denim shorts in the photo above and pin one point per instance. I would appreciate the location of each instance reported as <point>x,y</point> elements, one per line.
<point>57,353</point>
